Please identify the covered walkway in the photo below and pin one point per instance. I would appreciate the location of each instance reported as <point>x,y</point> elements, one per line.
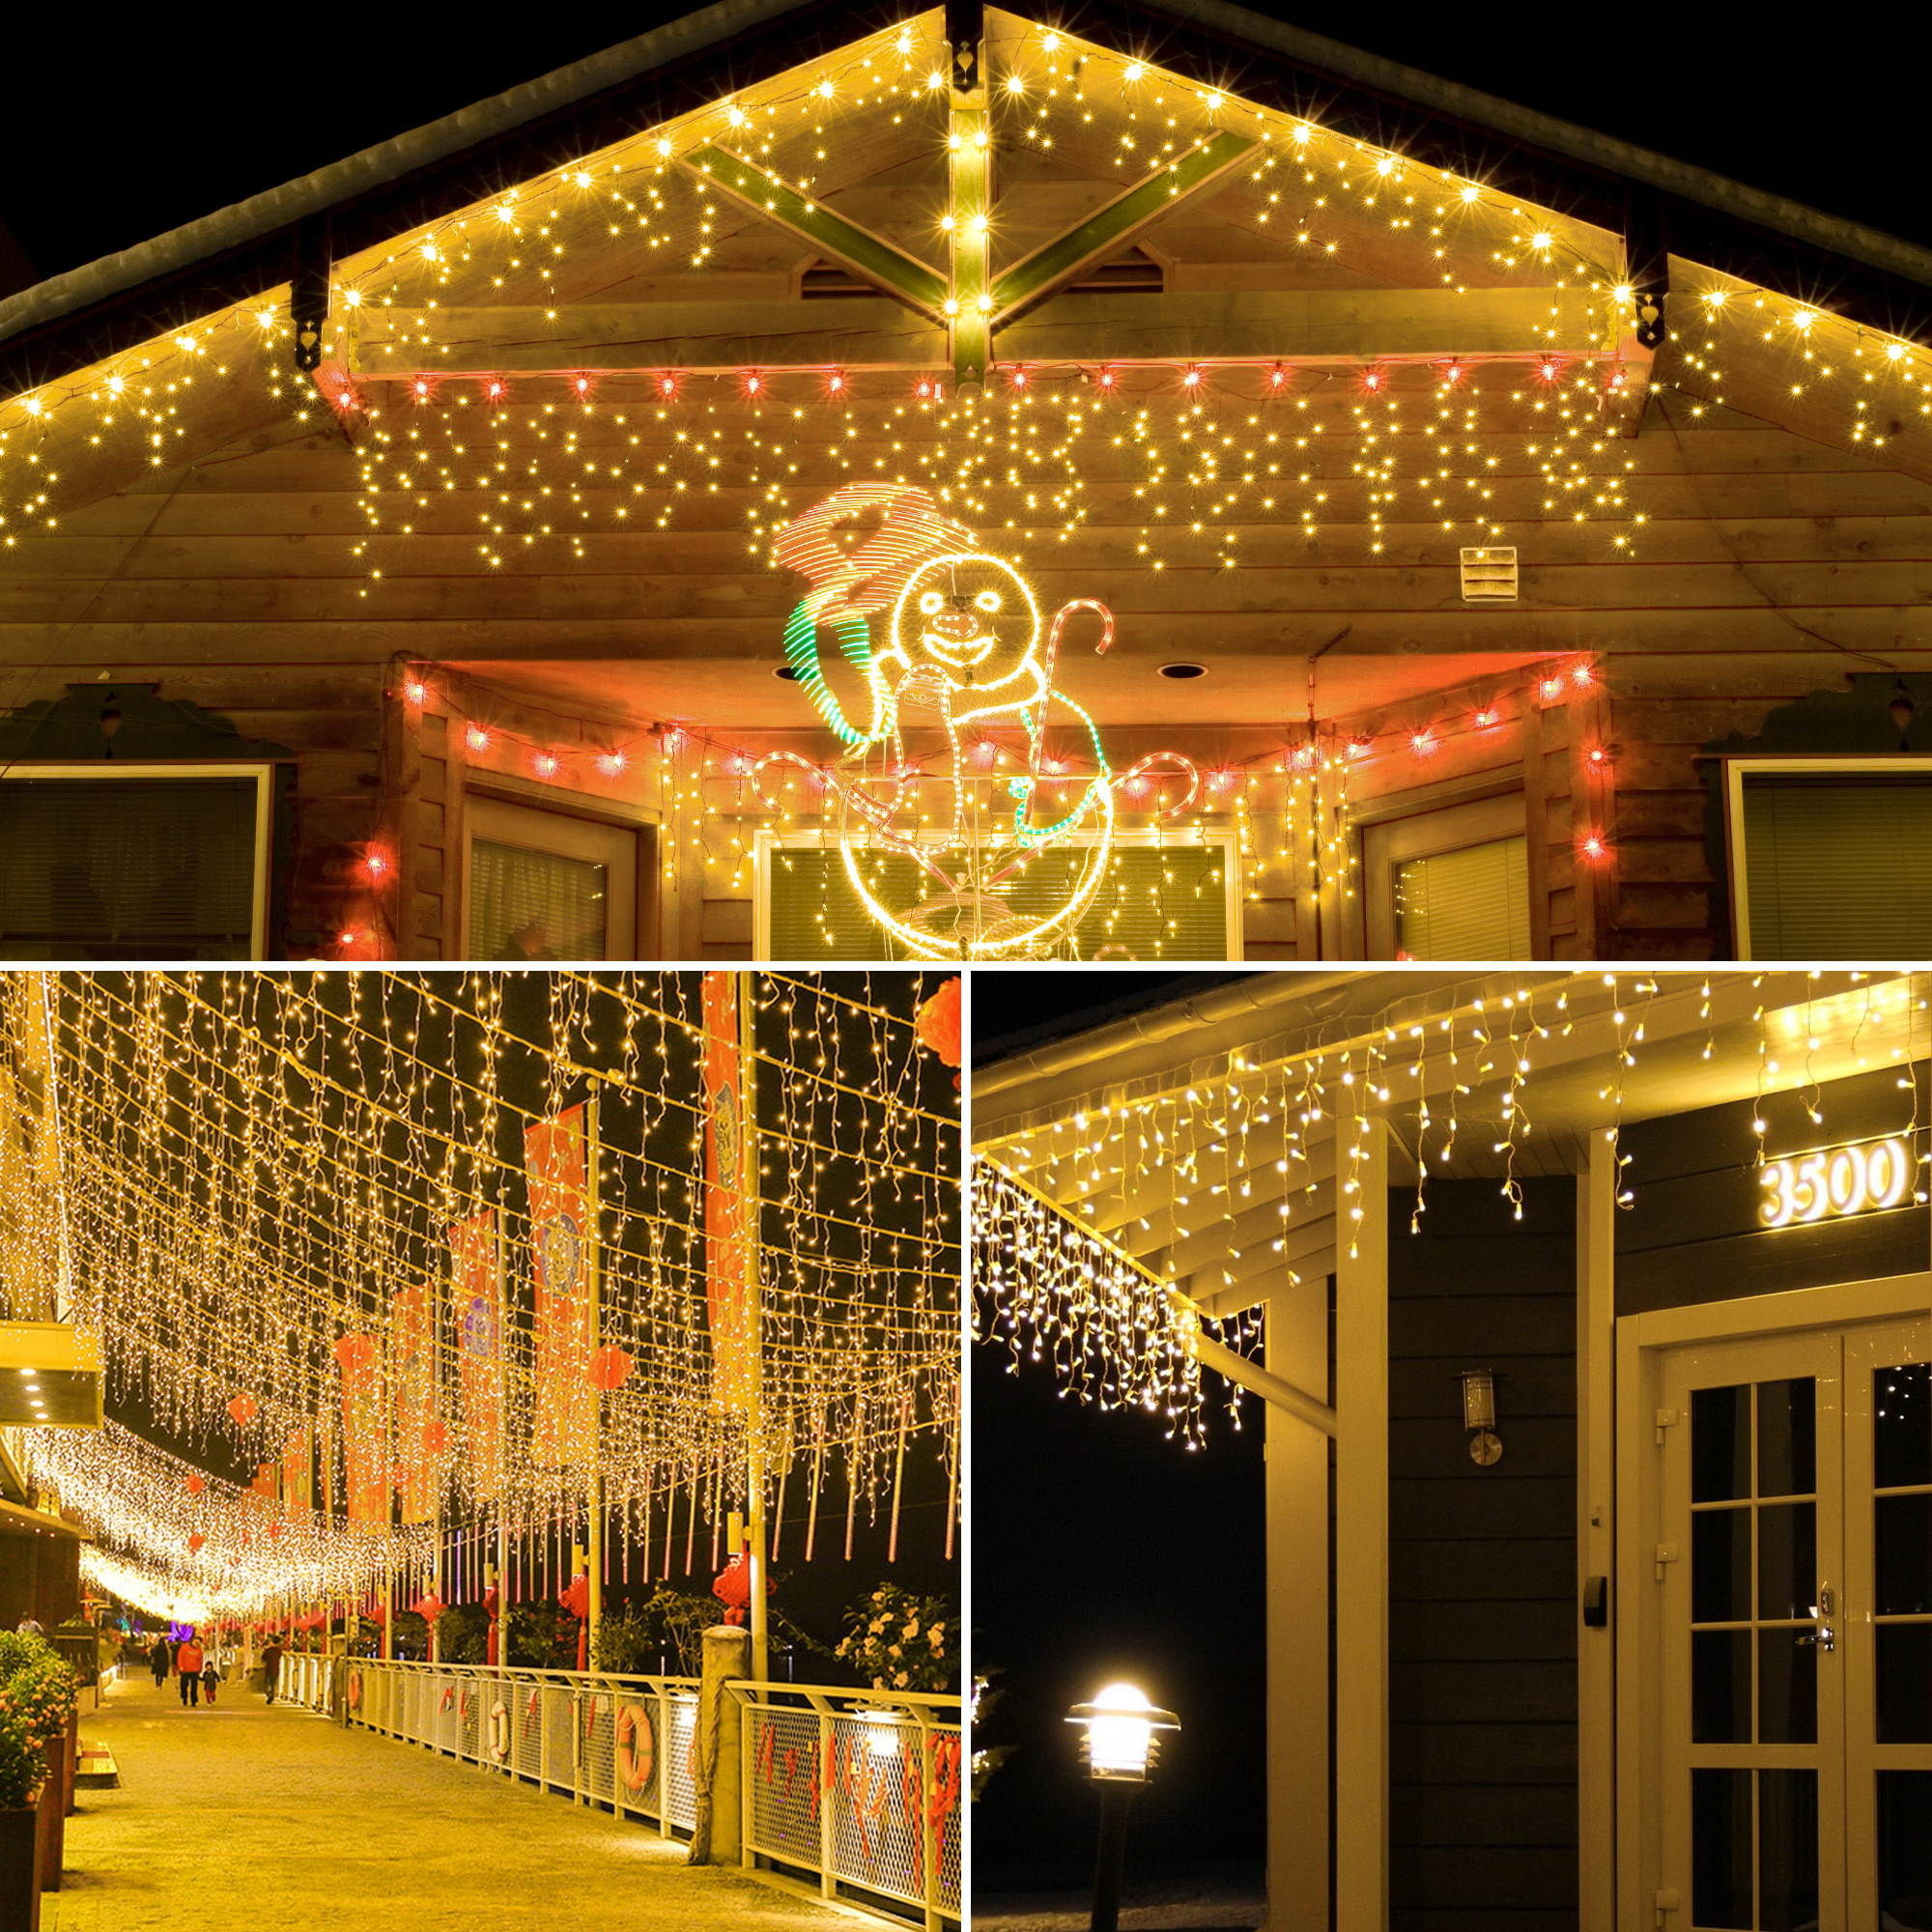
<point>243,1817</point>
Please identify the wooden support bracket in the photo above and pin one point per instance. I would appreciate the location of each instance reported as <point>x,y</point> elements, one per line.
<point>1052,266</point>
<point>868,256</point>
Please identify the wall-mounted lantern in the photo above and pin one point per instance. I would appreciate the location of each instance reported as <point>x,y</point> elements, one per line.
<point>1479,1417</point>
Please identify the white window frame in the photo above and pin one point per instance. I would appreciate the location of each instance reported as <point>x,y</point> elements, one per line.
<point>263,776</point>
<point>1738,767</point>
<point>1436,825</point>
<point>1218,834</point>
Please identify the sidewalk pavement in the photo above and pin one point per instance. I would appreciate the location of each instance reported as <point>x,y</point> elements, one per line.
<point>251,1818</point>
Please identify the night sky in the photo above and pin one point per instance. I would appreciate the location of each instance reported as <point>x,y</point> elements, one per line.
<point>127,126</point>
<point>1101,1549</point>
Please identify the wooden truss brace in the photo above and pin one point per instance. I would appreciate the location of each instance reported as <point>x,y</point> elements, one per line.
<point>970,301</point>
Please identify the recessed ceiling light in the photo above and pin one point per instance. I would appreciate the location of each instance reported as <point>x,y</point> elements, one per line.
<point>1181,671</point>
<point>26,1372</point>
<point>788,672</point>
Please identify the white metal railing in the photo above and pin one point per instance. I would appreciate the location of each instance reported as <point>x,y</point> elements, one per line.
<point>862,1795</point>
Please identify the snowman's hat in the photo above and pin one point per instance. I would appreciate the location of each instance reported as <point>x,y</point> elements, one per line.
<point>858,549</point>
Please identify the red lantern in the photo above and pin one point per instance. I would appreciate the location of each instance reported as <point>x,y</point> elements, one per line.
<point>610,1369</point>
<point>355,1352</point>
<point>274,1530</point>
<point>195,1541</point>
<point>429,1607</point>
<point>195,1486</point>
<point>436,1439</point>
<point>937,1023</point>
<point>577,1598</point>
<point>243,1408</point>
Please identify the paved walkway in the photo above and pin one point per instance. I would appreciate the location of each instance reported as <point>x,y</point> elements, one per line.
<point>249,1819</point>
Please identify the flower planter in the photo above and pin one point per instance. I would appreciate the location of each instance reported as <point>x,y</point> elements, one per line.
<point>53,1816</point>
<point>20,1868</point>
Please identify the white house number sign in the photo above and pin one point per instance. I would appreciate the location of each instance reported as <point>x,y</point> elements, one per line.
<point>1838,1182</point>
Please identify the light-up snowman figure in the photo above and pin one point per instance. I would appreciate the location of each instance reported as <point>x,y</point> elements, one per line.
<point>964,650</point>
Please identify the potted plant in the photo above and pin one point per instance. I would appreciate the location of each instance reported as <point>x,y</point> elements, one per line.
<point>22,1767</point>
<point>42,1696</point>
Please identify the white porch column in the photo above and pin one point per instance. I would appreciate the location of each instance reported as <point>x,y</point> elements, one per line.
<point>1295,1332</point>
<point>1596,1532</point>
<point>1361,1541</point>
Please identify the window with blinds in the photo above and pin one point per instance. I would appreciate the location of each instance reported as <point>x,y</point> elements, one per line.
<point>535,905</point>
<point>1471,903</point>
<point>1156,902</point>
<point>1838,864</point>
<point>147,867</point>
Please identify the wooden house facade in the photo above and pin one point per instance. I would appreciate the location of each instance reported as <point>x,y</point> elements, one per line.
<point>1511,543</point>
<point>1650,1642</point>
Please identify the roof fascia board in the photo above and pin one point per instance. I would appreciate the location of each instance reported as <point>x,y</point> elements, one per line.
<point>75,319</point>
<point>1886,280</point>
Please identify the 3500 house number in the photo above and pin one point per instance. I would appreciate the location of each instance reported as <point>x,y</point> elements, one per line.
<point>1841,1180</point>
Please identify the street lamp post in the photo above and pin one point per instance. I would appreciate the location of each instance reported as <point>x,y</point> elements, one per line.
<point>1121,1745</point>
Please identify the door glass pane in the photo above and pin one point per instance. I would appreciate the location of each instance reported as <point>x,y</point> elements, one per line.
<point>1903,1425</point>
<point>1905,1851</point>
<point>1787,1688</point>
<point>1721,1687</point>
<point>1721,1848</point>
<point>1787,1560</point>
<point>1470,905</point>
<point>1721,1565</point>
<point>1787,1431</point>
<point>1719,1445</point>
<point>534,905</point>
<point>1787,1850</point>
<point>1904,1555</point>
<point>1905,1684</point>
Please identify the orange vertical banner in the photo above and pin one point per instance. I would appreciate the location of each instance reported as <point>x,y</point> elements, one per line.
<point>559,1164</point>
<point>727,1244</point>
<point>366,1447</point>
<point>298,1472</point>
<point>412,1391</point>
<point>476,1319</point>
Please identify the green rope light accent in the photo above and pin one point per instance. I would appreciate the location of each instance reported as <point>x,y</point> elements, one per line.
<point>801,649</point>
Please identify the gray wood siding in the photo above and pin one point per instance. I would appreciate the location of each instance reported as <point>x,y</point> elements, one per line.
<point>1483,1615</point>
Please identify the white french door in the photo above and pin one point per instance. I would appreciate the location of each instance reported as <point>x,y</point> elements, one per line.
<point>1795,1559</point>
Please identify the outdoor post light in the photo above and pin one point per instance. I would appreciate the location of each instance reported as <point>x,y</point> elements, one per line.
<point>1121,1745</point>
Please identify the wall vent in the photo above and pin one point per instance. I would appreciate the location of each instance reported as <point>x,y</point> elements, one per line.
<point>1488,575</point>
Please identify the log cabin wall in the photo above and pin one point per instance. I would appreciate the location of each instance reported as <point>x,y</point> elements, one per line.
<point>1772,566</point>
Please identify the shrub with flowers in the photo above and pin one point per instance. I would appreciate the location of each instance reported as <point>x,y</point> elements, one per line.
<point>42,1697</point>
<point>902,1642</point>
<point>22,1763</point>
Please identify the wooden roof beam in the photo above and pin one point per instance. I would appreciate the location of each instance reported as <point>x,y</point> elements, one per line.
<point>1058,263</point>
<point>1328,326</point>
<point>868,256</point>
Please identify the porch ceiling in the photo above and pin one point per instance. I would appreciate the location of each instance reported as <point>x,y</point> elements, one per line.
<point>1212,1139</point>
<point>747,693</point>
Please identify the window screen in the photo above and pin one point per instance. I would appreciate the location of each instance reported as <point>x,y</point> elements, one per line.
<point>534,905</point>
<point>128,867</point>
<point>1839,866</point>
<point>1472,903</point>
<point>1156,902</point>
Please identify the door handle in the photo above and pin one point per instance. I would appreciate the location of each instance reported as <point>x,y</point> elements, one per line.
<point>1826,1639</point>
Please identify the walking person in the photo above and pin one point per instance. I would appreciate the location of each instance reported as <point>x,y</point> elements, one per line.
<point>211,1674</point>
<point>160,1661</point>
<point>189,1660</point>
<point>271,1667</point>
